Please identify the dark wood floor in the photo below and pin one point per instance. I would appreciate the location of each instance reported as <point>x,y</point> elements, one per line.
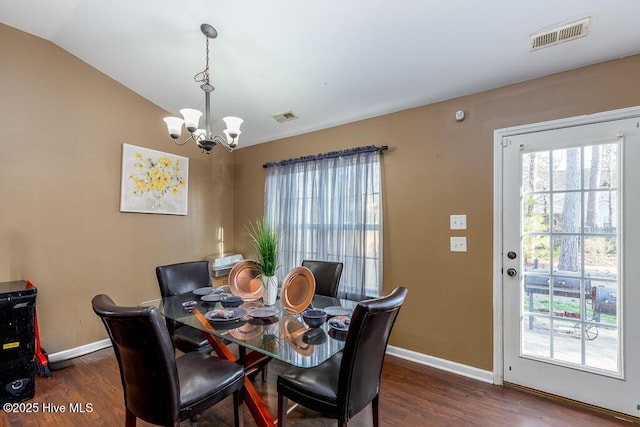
<point>411,395</point>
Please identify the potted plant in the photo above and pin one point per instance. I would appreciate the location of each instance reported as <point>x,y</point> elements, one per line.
<point>264,240</point>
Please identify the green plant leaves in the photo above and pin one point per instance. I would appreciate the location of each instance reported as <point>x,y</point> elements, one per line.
<point>264,240</point>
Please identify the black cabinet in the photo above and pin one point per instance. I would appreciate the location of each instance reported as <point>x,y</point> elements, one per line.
<point>17,340</point>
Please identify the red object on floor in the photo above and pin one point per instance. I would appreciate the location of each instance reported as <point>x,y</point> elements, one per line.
<point>42,363</point>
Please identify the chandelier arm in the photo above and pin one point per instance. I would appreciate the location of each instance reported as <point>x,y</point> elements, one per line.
<point>183,142</point>
<point>222,141</point>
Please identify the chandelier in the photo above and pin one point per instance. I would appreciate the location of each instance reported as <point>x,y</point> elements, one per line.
<point>204,138</point>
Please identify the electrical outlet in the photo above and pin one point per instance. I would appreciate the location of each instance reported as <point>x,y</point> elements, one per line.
<point>458,244</point>
<point>457,222</point>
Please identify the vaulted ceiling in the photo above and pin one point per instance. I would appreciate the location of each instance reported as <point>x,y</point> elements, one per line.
<point>330,62</point>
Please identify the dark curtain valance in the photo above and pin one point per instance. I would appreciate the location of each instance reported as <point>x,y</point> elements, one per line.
<point>332,154</point>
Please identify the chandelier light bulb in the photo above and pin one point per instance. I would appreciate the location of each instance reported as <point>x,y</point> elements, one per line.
<point>174,126</point>
<point>233,124</point>
<point>191,118</point>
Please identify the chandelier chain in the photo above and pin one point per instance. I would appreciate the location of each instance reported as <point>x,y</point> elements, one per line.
<point>203,76</point>
<point>206,70</point>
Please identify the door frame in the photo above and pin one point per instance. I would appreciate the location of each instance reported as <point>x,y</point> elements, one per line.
<point>498,204</point>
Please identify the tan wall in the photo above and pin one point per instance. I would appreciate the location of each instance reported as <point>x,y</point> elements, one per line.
<point>436,167</point>
<point>63,125</point>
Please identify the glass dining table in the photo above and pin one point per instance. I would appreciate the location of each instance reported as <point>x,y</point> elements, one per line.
<point>260,332</point>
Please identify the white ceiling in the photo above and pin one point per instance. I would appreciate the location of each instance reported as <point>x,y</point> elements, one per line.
<point>331,61</point>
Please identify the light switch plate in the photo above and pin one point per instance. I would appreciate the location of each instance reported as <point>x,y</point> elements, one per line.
<point>458,244</point>
<point>458,222</point>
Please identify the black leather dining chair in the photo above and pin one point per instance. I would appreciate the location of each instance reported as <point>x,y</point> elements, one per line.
<point>178,279</point>
<point>345,384</point>
<point>327,275</point>
<point>184,277</point>
<point>158,387</point>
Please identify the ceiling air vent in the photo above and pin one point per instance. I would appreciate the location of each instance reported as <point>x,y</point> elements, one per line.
<point>284,117</point>
<point>565,33</point>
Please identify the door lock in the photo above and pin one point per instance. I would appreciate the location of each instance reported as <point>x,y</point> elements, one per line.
<point>512,272</point>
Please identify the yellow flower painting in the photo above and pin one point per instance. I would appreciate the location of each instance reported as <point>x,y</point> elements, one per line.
<point>153,181</point>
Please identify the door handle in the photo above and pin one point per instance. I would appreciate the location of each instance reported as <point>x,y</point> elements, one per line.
<point>512,272</point>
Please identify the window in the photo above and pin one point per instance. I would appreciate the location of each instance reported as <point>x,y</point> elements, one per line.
<point>329,208</point>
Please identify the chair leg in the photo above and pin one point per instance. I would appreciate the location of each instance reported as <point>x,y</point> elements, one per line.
<point>264,372</point>
<point>129,418</point>
<point>283,402</point>
<point>374,409</point>
<point>238,417</point>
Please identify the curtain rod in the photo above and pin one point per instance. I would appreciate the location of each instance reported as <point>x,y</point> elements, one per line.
<point>329,155</point>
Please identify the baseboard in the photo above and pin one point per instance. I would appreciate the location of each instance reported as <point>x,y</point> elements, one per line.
<point>434,362</point>
<point>445,365</point>
<point>79,351</point>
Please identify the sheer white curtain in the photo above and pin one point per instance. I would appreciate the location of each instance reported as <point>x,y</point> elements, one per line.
<point>329,208</point>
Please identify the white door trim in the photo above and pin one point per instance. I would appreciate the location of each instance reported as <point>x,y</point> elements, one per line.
<point>498,135</point>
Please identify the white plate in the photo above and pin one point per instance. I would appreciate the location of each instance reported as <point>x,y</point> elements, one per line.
<point>263,312</point>
<point>338,310</point>
<point>203,291</point>
<point>338,324</point>
<point>238,313</point>
<point>213,297</point>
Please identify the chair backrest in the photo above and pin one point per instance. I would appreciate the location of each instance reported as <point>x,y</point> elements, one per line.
<point>365,346</point>
<point>146,359</point>
<point>327,276</point>
<point>180,278</point>
<point>176,279</point>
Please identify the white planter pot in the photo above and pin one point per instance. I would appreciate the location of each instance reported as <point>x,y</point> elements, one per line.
<point>270,284</point>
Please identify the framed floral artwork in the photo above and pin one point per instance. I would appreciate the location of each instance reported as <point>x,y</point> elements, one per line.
<point>153,181</point>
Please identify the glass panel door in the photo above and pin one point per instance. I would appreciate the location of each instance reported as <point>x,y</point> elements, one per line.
<point>570,256</point>
<point>570,260</point>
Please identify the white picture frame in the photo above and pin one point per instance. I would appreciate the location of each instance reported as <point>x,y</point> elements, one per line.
<point>153,181</point>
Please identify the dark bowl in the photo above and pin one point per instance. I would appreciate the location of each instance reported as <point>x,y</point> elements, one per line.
<point>314,318</point>
<point>231,301</point>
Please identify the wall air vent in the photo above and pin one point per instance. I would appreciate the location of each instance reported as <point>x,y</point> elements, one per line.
<point>284,117</point>
<point>564,33</point>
